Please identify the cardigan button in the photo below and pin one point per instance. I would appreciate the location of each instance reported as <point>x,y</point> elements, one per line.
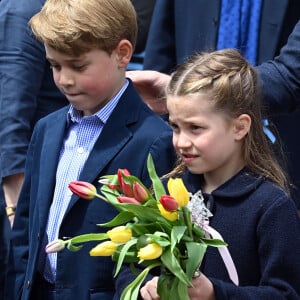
<point>28,284</point>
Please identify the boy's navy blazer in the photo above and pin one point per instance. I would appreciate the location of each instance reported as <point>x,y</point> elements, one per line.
<point>131,132</point>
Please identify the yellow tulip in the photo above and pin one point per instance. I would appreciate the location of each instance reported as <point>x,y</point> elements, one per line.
<point>150,251</point>
<point>169,215</point>
<point>106,248</point>
<point>178,190</point>
<point>120,234</point>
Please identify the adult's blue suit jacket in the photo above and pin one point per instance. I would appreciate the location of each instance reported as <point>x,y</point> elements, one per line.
<point>180,28</point>
<point>27,89</point>
<point>130,134</point>
<point>281,77</point>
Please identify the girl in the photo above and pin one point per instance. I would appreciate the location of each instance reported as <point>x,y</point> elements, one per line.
<point>214,110</point>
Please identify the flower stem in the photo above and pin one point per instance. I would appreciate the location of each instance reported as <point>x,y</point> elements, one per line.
<point>187,221</point>
<point>101,197</point>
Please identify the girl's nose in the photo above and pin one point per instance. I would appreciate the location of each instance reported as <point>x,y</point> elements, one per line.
<point>181,140</point>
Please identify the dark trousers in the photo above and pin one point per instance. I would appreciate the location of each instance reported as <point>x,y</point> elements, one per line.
<point>42,290</point>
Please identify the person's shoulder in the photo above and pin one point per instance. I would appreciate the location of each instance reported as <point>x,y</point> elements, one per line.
<point>271,195</point>
<point>24,8</point>
<point>56,116</point>
<point>140,111</point>
<point>273,189</point>
<point>253,189</point>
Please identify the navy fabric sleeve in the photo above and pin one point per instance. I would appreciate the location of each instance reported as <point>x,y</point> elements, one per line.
<point>160,48</point>
<point>27,90</point>
<point>278,252</point>
<point>281,77</point>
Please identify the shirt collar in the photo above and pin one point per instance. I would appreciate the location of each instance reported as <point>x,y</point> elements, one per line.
<point>75,116</point>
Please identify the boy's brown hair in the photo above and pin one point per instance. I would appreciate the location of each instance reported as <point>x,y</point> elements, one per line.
<point>76,26</point>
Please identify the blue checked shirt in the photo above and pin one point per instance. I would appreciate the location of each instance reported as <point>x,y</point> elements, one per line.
<point>78,143</point>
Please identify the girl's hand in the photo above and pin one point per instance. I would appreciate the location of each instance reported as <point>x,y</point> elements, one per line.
<point>203,289</point>
<point>149,290</point>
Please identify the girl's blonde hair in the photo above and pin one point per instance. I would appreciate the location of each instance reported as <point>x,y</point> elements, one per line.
<point>77,26</point>
<point>233,84</point>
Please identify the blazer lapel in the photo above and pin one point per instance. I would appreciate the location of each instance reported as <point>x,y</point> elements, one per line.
<point>53,139</point>
<point>112,139</point>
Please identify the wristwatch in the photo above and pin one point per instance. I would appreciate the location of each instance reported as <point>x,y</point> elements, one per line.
<point>10,210</point>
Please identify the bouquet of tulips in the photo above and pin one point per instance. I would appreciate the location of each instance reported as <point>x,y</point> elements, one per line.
<point>152,229</point>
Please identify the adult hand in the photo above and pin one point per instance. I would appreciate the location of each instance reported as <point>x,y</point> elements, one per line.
<point>151,85</point>
<point>11,187</point>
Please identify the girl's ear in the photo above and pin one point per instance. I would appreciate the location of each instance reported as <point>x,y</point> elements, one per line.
<point>241,126</point>
<point>124,52</point>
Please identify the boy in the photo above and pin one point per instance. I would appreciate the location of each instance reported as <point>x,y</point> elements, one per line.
<point>88,44</point>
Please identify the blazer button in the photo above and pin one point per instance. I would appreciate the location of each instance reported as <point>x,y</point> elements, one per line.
<point>28,284</point>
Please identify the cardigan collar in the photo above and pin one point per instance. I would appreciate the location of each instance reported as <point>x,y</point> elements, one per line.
<point>241,184</point>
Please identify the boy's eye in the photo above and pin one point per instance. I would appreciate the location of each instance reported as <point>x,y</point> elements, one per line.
<point>195,127</point>
<point>78,67</point>
<point>55,67</point>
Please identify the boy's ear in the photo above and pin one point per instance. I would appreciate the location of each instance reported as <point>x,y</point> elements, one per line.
<point>124,52</point>
<point>242,126</point>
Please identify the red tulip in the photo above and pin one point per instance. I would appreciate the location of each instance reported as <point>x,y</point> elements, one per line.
<point>139,192</point>
<point>83,189</point>
<point>168,202</point>
<point>125,187</point>
<point>113,186</point>
<point>124,199</point>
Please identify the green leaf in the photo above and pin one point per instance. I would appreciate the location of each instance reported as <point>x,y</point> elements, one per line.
<point>122,255</point>
<point>88,237</point>
<point>170,287</point>
<point>176,235</point>
<point>163,286</point>
<point>182,291</point>
<point>214,242</point>
<point>131,292</point>
<point>196,253</point>
<point>130,256</point>
<point>110,195</point>
<point>143,228</point>
<point>158,187</point>
<point>73,248</point>
<point>198,231</point>
<point>171,263</point>
<point>122,218</point>
<point>149,214</point>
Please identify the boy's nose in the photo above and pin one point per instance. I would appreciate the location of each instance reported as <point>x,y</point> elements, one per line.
<point>65,79</point>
